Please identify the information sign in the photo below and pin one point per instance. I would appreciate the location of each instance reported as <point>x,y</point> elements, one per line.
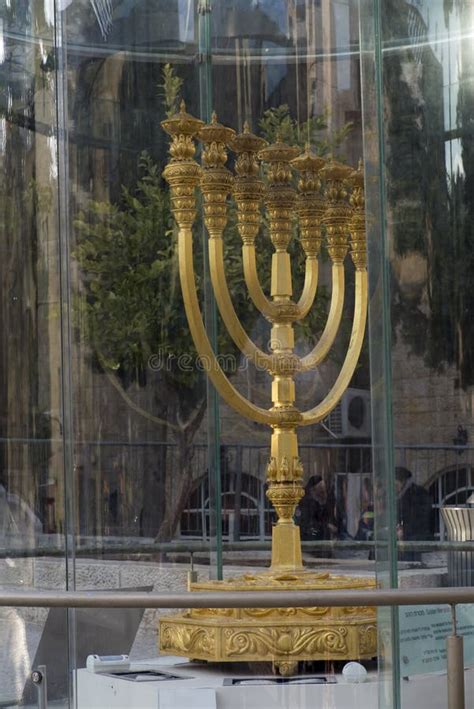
<point>423,633</point>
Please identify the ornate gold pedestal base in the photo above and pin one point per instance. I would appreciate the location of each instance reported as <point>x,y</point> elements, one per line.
<point>283,636</point>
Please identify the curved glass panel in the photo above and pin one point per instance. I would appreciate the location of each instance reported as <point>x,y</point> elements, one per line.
<point>129,460</point>
<point>420,82</point>
<point>33,521</point>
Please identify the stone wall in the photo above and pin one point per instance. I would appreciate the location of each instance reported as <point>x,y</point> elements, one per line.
<point>428,404</point>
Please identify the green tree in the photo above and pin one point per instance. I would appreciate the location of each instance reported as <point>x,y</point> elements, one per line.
<point>133,315</point>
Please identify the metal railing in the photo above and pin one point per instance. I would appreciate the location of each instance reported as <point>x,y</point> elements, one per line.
<point>191,548</point>
<point>236,599</point>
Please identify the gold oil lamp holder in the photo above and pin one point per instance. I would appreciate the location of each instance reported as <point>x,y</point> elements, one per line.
<point>328,203</point>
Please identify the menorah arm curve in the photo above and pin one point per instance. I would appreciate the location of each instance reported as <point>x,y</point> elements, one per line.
<point>191,304</point>
<point>319,412</point>
<point>310,286</point>
<point>326,341</point>
<point>252,281</point>
<point>226,307</point>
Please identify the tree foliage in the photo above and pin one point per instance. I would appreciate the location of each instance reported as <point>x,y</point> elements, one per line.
<point>130,273</point>
<point>278,123</point>
<point>170,89</point>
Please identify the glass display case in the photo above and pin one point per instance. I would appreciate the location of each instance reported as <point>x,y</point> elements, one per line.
<point>131,459</point>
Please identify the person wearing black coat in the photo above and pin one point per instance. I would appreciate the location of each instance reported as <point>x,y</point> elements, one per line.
<point>414,512</point>
<point>315,513</point>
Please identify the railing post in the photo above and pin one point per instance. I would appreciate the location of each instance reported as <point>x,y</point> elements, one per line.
<point>237,493</point>
<point>455,666</point>
<point>192,574</point>
<point>38,677</point>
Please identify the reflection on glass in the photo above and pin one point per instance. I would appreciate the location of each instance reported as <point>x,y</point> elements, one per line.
<point>424,77</point>
<point>31,470</point>
<point>14,655</point>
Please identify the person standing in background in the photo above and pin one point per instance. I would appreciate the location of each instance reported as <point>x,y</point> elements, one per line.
<point>414,512</point>
<point>316,512</point>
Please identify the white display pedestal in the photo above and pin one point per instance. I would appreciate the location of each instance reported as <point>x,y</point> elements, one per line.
<point>207,687</point>
<point>100,691</point>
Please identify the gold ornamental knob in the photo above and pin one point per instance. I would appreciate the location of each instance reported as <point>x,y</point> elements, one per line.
<point>182,123</point>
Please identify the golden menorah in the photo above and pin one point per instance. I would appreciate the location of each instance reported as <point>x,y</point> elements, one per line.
<point>338,212</point>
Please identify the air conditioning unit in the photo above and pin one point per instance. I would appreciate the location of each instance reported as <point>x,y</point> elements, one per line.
<point>351,417</point>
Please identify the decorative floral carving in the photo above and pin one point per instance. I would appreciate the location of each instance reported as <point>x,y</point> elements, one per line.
<point>286,669</point>
<point>284,496</point>
<point>309,580</point>
<point>357,220</point>
<point>272,470</point>
<point>213,612</point>
<point>277,642</point>
<point>368,640</point>
<point>358,610</point>
<point>187,640</point>
<point>315,611</point>
<point>285,473</point>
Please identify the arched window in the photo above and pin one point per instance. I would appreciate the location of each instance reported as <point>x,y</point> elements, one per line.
<point>245,511</point>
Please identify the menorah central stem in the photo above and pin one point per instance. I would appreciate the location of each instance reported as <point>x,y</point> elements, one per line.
<point>285,471</point>
<point>285,491</point>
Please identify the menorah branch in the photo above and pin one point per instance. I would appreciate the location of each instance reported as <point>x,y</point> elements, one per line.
<point>326,341</point>
<point>252,281</point>
<point>226,307</point>
<point>322,410</point>
<point>310,286</point>
<point>198,332</point>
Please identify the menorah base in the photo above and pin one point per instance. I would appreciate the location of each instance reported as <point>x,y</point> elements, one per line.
<point>283,636</point>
